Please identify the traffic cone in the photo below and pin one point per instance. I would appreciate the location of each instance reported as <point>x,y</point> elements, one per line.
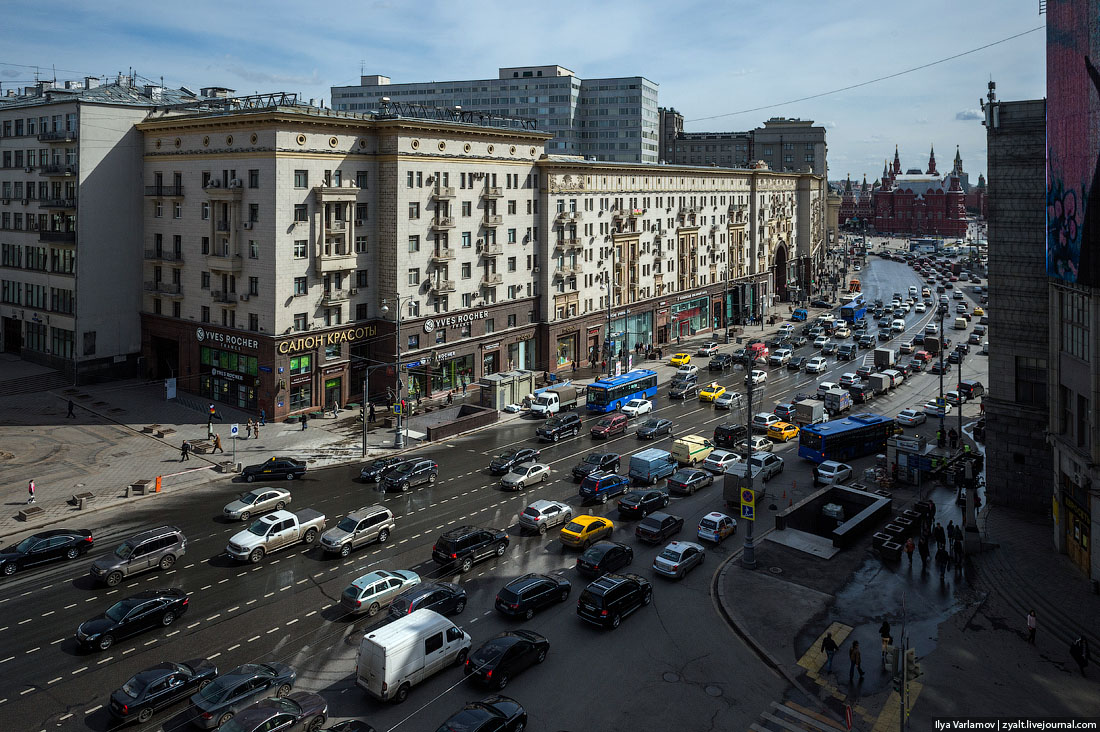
<point>790,502</point>
<point>784,495</point>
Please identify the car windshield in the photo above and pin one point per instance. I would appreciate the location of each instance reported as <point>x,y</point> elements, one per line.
<point>259,528</point>
<point>403,468</point>
<point>670,554</point>
<point>249,498</point>
<point>605,422</point>
<point>708,524</point>
<point>652,423</point>
<point>595,553</point>
<point>594,459</point>
<point>682,476</point>
<point>575,527</point>
<point>347,524</point>
<point>231,726</point>
<point>124,550</point>
<point>134,687</point>
<point>633,403</point>
<point>213,692</point>
<point>118,611</point>
<point>510,455</point>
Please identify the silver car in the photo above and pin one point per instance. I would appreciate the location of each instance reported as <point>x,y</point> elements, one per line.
<point>257,502</point>
<point>522,476</point>
<point>541,515</point>
<point>719,460</point>
<point>678,558</point>
<point>729,400</point>
<point>360,527</point>
<point>371,592</point>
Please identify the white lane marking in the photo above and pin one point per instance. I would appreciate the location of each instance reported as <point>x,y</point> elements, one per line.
<point>82,668</point>
<point>54,643</point>
<point>53,681</point>
<point>255,637</point>
<point>96,708</point>
<point>215,655</point>
<point>192,625</point>
<point>233,647</point>
<point>71,605</point>
<point>205,587</point>
<point>150,642</point>
<point>311,612</point>
<point>25,691</point>
<point>103,660</point>
<point>9,658</point>
<point>292,622</point>
<point>169,635</point>
<point>24,622</point>
<point>36,648</point>
<point>212,617</point>
<point>46,614</point>
<point>128,650</point>
<point>223,581</point>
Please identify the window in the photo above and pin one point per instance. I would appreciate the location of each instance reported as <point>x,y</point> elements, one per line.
<point>360,278</point>
<point>300,286</point>
<point>490,326</point>
<point>204,280</point>
<point>511,207</point>
<point>205,314</point>
<point>511,321</point>
<point>466,330</point>
<point>253,212</point>
<point>360,243</point>
<point>409,179</point>
<point>361,212</point>
<point>466,270</point>
<point>204,210</point>
<point>175,310</point>
<point>300,248</point>
<point>440,336</point>
<point>253,321</point>
<point>177,210</point>
<point>253,249</point>
<point>511,264</point>
<point>467,300</point>
<point>332,351</point>
<point>511,236</point>
<point>301,179</point>
<point>414,244</point>
<point>1084,435</point>
<point>253,285</point>
<point>253,179</point>
<point>158,209</point>
<point>467,208</point>
<point>361,311</point>
<point>1031,381</point>
<point>301,364</point>
<point>414,276</point>
<point>466,240</point>
<point>206,245</point>
<point>300,212</point>
<point>1075,324</point>
<point>414,210</point>
<point>361,179</point>
<point>300,321</point>
<point>414,342</point>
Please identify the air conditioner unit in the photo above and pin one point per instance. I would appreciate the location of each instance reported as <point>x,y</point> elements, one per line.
<point>248,224</point>
<point>28,170</point>
<point>244,298</point>
<point>25,201</point>
<point>353,291</point>
<point>214,183</point>
<point>236,183</point>
<point>359,222</point>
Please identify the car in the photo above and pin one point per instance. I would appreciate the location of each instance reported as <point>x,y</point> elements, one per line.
<point>961,308</point>
<point>850,379</point>
<point>785,412</point>
<point>954,398</point>
<point>375,590</point>
<point>296,712</point>
<point>657,527</point>
<point>934,410</point>
<point>359,528</point>
<point>707,349</point>
<point>688,369</point>
<point>562,425</point>
<point>770,465</point>
<point>920,307</point>
<point>816,365</point>
<point>445,598</point>
<point>526,595</point>
<point>783,431</point>
<point>824,387</point>
<point>799,340</point>
<point>830,472</point>
<point>962,347</point>
<point>797,363</point>
<point>762,421</point>
<point>257,501</point>
<point>641,502</point>
<point>373,471</point>
<point>678,558</point>
<point>780,341</point>
<point>758,443</point>
<point>980,329</point>
<point>915,365</point>
<point>719,461</point>
<point>217,703</point>
<point>492,714</point>
<point>868,340</point>
<point>957,295</point>
<point>757,377</point>
<point>610,598</point>
<point>725,435</point>
<point>906,347</point>
<point>679,359</point>
<point>45,547</point>
<point>611,424</point>
<point>596,462</point>
<point>464,545</point>
<point>979,311</point>
<point>910,417</point>
<point>728,400</point>
<point>683,388</point>
<point>843,332</point>
<point>603,557</point>
<point>601,486</point>
<point>917,340</point>
<point>525,475</point>
<point>820,341</point>
<point>716,526</point>
<point>720,362</point>
<point>132,615</point>
<point>688,480</point>
<point>585,530</point>
<point>637,407</point>
<point>820,303</point>
<point>654,428</point>
<point>711,392</point>
<point>865,371</point>
<point>938,368</point>
<point>830,348</point>
<point>502,464</point>
<point>504,656</point>
<point>418,471</point>
<point>276,467</point>
<point>544,514</point>
<point>781,357</point>
<point>931,329</point>
<point>159,687</point>
<point>975,339</point>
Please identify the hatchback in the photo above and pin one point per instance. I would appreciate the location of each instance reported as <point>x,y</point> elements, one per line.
<point>716,526</point>
<point>524,596</point>
<point>762,421</point>
<point>585,530</point>
<point>719,461</point>
<point>850,379</point>
<point>688,480</point>
<point>543,514</point>
<point>729,400</point>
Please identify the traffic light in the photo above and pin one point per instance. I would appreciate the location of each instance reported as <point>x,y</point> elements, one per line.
<point>912,668</point>
<point>893,655</point>
<point>404,406</point>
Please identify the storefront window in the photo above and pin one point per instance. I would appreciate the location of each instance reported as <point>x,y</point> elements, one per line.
<point>332,351</point>
<point>301,364</point>
<point>450,374</point>
<point>490,363</point>
<point>521,355</point>
<point>688,318</point>
<point>228,377</point>
<point>300,397</point>
<point>566,349</point>
<point>629,331</point>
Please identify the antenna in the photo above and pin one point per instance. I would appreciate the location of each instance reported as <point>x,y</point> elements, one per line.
<point>362,66</point>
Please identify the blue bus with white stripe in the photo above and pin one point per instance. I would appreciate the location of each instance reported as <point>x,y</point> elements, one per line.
<point>845,439</point>
<point>610,393</point>
<point>854,309</point>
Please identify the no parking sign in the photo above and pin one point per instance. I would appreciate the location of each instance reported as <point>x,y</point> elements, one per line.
<point>748,504</point>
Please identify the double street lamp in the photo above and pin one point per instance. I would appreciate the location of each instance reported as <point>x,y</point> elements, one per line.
<point>399,436</point>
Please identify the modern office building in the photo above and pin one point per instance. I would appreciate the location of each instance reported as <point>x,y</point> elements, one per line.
<point>610,119</point>
<point>70,222</point>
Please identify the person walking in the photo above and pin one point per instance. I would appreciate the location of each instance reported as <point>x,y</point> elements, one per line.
<point>248,429</point>
<point>950,533</point>
<point>574,367</point>
<point>70,414</point>
<point>952,438</point>
<point>1079,650</point>
<point>217,444</point>
<point>942,560</point>
<point>256,430</point>
<point>856,657</point>
<point>263,416</point>
<point>884,633</point>
<point>922,549</point>
<point>370,413</point>
<point>30,491</point>
<point>957,553</point>
<point>909,547</point>
<point>828,647</point>
<point>185,451</point>
<point>336,408</point>
<point>940,536</point>
<point>1032,624</point>
<point>305,420</point>
<point>451,397</point>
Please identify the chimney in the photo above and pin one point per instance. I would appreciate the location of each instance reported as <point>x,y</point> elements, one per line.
<point>123,80</point>
<point>74,85</point>
<point>153,91</point>
<point>91,82</point>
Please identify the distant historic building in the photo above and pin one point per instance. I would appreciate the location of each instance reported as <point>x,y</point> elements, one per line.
<point>920,203</point>
<point>855,204</point>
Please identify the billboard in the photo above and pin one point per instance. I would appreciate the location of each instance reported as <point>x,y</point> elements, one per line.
<point>1073,141</point>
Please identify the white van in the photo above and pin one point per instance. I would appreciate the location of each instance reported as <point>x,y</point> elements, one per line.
<point>898,326</point>
<point>896,377</point>
<point>912,290</point>
<point>400,655</point>
<point>960,323</point>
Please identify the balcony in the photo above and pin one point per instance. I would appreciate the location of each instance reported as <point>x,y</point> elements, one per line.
<point>154,255</point>
<point>163,191</point>
<point>331,297</point>
<point>442,255</point>
<point>493,220</point>
<point>57,203</point>
<point>442,223</point>
<point>566,217</point>
<point>171,289</point>
<point>443,193</point>
<point>335,263</point>
<point>492,192</point>
<point>492,279</point>
<point>490,250</point>
<point>215,191</point>
<point>337,225</point>
<point>60,136</point>
<point>346,193</point>
<point>567,270</point>
<point>57,237</point>
<point>224,262</point>
<point>221,226</point>
<point>57,169</point>
<point>224,298</point>
<point>441,286</point>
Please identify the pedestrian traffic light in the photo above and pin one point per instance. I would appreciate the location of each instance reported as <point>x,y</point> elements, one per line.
<point>912,668</point>
<point>893,656</point>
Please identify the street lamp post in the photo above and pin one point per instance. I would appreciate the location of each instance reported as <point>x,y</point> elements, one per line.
<point>748,556</point>
<point>609,282</point>
<point>942,405</point>
<point>399,437</point>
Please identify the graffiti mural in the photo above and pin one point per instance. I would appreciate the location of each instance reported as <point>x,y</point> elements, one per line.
<point>1073,141</point>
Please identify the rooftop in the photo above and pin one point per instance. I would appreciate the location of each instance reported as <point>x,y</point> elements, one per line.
<point>124,90</point>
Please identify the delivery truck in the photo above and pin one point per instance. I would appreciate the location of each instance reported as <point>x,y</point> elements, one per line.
<point>880,383</point>
<point>651,465</point>
<point>838,401</point>
<point>884,358</point>
<point>553,400</point>
<point>809,411</point>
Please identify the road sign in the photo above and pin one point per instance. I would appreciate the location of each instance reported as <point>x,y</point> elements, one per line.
<point>848,715</point>
<point>748,512</point>
<point>940,401</point>
<point>747,496</point>
<point>234,430</point>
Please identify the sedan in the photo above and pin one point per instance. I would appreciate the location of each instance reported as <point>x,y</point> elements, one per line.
<point>707,349</point>
<point>503,463</point>
<point>757,377</point>
<point>524,596</point>
<point>797,363</point>
<point>492,714</point>
<point>525,475</point>
<point>505,656</point>
<point>44,547</point>
<point>831,472</point>
<point>137,613</point>
<point>688,480</point>
<point>586,530</point>
<point>920,307</point>
<point>783,431</point>
<point>829,348</point>
<point>820,341</point>
<point>371,592</point>
<point>295,712</point>
<point>680,359</point>
<point>678,558</point>
<point>219,701</point>
<point>596,462</point>
<point>711,392</point>
<point>158,687</point>
<point>604,556</point>
<point>865,371</point>
<point>653,428</point>
<point>954,398</point>
<point>543,514</point>
<point>658,527</point>
<point>937,368</point>
<point>687,369</point>
<point>910,418</point>
<point>934,410</point>
<point>276,467</point>
<point>641,502</point>
<point>637,407</point>
<point>376,469</point>
<point>719,461</point>
<point>799,340</point>
<point>728,400</point>
<point>257,502</point>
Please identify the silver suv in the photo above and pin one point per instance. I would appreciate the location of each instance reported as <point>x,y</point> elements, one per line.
<point>361,526</point>
<point>154,549</point>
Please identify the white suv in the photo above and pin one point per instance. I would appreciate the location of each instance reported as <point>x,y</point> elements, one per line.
<point>850,379</point>
<point>816,365</point>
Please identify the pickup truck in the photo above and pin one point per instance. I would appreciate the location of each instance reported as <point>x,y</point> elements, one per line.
<point>275,531</point>
<point>551,401</point>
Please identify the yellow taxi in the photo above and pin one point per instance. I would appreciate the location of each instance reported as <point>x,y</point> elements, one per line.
<point>680,359</point>
<point>783,431</point>
<point>585,530</point>
<point>711,391</point>
<point>979,311</point>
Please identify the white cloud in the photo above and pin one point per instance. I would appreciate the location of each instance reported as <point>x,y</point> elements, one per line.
<point>968,114</point>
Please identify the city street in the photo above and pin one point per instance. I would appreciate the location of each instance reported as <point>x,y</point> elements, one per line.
<point>684,667</point>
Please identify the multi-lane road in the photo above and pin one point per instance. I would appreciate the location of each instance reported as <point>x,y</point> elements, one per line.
<point>671,665</point>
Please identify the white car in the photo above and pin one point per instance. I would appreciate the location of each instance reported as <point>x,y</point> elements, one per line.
<point>910,417</point>
<point>759,443</point>
<point>688,370</point>
<point>919,307</point>
<point>719,460</point>
<point>781,357</point>
<point>906,347</point>
<point>831,472</point>
<point>729,400</point>
<point>850,379</point>
<point>933,410</point>
<point>931,329</point>
<point>858,268</point>
<point>954,398</point>
<point>524,475</point>
<point>816,365</point>
<point>820,341</point>
<point>763,420</point>
<point>707,349</point>
<point>637,407</point>
<point>758,377</point>
<point>825,386</point>
<point>843,332</point>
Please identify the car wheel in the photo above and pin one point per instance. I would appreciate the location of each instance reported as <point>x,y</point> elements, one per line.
<point>576,432</point>
<point>564,595</point>
<point>467,563</point>
<point>373,609</point>
<point>432,478</point>
<point>311,536</point>
<point>520,726</point>
<point>280,505</point>
<point>316,722</point>
<point>603,498</point>
<point>345,549</point>
<point>145,714</point>
<point>501,548</point>
<point>225,718</point>
<point>502,681</point>
<point>404,487</point>
<point>383,536</point>
<point>256,555</point>
<point>402,694</point>
<point>167,561</point>
<point>460,659</point>
<point>10,569</point>
<point>647,598</point>
<point>554,438</point>
<point>283,691</point>
<point>529,614</point>
<point>72,553</point>
<point>245,515</point>
<point>290,476</point>
<point>105,642</point>
<point>460,606</point>
<point>168,618</point>
<point>203,684</point>
<point>114,578</point>
<point>248,479</point>
<point>542,529</point>
<point>541,656</point>
<point>615,620</point>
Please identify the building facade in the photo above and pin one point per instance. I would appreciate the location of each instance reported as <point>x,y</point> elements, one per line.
<point>919,203</point>
<point>856,205</point>
<point>612,119</point>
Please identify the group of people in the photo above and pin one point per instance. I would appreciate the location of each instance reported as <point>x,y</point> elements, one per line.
<point>949,546</point>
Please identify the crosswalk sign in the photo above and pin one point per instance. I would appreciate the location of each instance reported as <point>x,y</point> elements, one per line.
<point>748,512</point>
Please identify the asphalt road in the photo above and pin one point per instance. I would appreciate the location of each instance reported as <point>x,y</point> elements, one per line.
<point>675,663</point>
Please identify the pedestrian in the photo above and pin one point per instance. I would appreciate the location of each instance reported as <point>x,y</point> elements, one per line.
<point>464,387</point>
<point>828,647</point>
<point>70,413</point>
<point>957,554</point>
<point>922,549</point>
<point>248,429</point>
<point>909,547</point>
<point>263,416</point>
<point>884,633</point>
<point>950,532</point>
<point>336,408</point>
<point>1032,624</point>
<point>856,657</point>
<point>256,430</point>
<point>451,396</point>
<point>30,491</point>
<point>942,560</point>
<point>940,536</point>
<point>574,366</point>
<point>953,438</point>
<point>217,444</point>
<point>1079,650</point>
<point>370,413</point>
<point>305,420</point>
<point>185,451</point>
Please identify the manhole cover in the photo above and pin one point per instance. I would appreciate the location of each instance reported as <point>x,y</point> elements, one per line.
<point>713,690</point>
<point>775,570</point>
<point>670,677</point>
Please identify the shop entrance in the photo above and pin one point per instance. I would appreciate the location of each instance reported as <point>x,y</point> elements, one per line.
<point>1078,521</point>
<point>490,363</point>
<point>334,391</point>
<point>13,336</point>
<point>166,358</point>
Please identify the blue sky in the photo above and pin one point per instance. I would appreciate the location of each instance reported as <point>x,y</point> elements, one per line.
<point>708,58</point>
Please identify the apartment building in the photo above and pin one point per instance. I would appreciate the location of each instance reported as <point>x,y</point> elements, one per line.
<point>70,222</point>
<point>613,119</point>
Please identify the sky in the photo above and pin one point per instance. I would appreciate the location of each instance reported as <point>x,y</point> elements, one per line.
<point>712,61</point>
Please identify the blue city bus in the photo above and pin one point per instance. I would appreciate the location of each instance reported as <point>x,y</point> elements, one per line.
<point>855,308</point>
<point>845,439</point>
<point>612,392</point>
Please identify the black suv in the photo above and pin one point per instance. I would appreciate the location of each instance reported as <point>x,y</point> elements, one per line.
<point>596,462</point>
<point>276,467</point>
<point>727,435</point>
<point>524,595</point>
<point>606,600</point>
<point>563,425</point>
<point>657,527</point>
<point>867,340</point>
<point>720,362</point>
<point>641,502</point>
<point>468,544</point>
<point>410,473</point>
<point>445,598</point>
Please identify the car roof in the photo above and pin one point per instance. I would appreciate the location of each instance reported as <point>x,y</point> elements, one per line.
<point>586,518</point>
<point>372,577</point>
<point>58,532</point>
<point>520,583</point>
<point>716,515</point>
<point>155,673</point>
<point>679,546</point>
<point>365,511</point>
<point>542,504</point>
<point>150,533</point>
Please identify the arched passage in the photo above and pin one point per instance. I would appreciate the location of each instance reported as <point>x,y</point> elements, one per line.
<point>781,276</point>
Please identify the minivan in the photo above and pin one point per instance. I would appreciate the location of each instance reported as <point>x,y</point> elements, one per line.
<point>691,449</point>
<point>799,314</point>
<point>960,323</point>
<point>898,326</point>
<point>896,377</point>
<point>971,389</point>
<point>154,549</point>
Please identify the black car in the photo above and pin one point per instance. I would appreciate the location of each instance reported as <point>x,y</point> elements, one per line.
<point>217,702</point>
<point>603,557</point>
<point>44,547</point>
<point>954,357</point>
<point>276,467</point>
<point>610,598</point>
<point>777,343</point>
<point>504,462</point>
<point>658,527</point>
<point>797,363</point>
<point>720,362</point>
<point>683,389</point>
<point>135,614</point>
<point>865,371</point>
<point>820,304</point>
<point>503,657</point>
<point>829,348</point>
<point>555,428</point>
<point>868,340</point>
<point>727,435</point>
<point>158,687</point>
<point>642,502</point>
<point>937,369</point>
<point>445,598</point>
<point>465,545</point>
<point>492,714</point>
<point>689,480</point>
<point>653,428</point>
<point>373,471</point>
<point>596,462</point>
<point>962,347</point>
<point>918,339</point>
<point>301,710</point>
<point>351,725</point>
<point>525,595</point>
<point>411,473</point>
